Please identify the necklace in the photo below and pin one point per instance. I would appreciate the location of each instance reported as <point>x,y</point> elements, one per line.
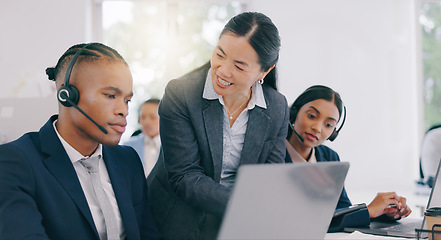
<point>232,114</point>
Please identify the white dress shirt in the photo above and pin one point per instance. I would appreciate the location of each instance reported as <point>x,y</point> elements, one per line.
<point>296,157</point>
<point>83,177</point>
<point>151,152</point>
<point>234,137</point>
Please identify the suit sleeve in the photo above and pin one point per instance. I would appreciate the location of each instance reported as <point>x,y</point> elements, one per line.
<point>149,229</point>
<point>182,158</point>
<point>19,214</point>
<point>278,152</point>
<point>343,201</point>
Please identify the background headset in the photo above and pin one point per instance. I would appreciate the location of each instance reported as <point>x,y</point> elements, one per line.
<point>68,95</point>
<point>295,111</point>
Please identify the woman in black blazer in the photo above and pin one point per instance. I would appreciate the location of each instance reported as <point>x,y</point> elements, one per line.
<point>212,120</point>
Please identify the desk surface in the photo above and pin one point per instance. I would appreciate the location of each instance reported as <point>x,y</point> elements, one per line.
<point>358,235</point>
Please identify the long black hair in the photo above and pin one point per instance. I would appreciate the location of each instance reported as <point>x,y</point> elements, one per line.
<point>263,36</point>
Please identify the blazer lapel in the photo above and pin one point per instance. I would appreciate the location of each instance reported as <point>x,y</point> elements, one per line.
<point>212,115</point>
<point>255,134</point>
<point>122,194</point>
<point>60,166</point>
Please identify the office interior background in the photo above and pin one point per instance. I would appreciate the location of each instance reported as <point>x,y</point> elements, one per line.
<point>369,51</point>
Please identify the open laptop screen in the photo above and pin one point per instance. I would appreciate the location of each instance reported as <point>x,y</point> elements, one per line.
<point>283,201</point>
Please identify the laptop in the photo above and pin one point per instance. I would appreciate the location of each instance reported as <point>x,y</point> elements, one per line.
<point>283,201</point>
<point>405,227</point>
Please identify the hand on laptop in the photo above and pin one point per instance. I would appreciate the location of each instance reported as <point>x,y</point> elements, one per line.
<point>389,204</point>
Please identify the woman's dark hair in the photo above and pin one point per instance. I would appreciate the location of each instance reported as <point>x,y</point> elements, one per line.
<point>313,93</point>
<point>92,52</point>
<point>263,36</point>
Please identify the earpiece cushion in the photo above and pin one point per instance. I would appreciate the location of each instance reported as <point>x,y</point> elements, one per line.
<point>71,92</point>
<point>333,135</point>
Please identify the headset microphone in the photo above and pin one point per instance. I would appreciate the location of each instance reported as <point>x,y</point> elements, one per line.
<point>298,135</point>
<point>68,95</point>
<point>291,127</point>
<point>64,94</point>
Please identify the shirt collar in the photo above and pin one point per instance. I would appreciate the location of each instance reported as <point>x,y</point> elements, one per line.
<point>257,97</point>
<point>296,157</point>
<point>156,139</point>
<point>72,153</point>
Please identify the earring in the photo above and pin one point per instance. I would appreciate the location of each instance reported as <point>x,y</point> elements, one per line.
<point>260,81</point>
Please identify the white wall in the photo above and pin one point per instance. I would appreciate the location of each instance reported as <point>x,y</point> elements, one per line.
<point>362,49</point>
<point>34,34</point>
<point>365,51</point>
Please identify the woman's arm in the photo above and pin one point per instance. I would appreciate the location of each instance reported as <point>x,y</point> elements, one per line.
<point>390,205</point>
<point>278,152</point>
<point>182,154</point>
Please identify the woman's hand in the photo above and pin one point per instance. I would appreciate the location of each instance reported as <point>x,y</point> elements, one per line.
<point>390,204</point>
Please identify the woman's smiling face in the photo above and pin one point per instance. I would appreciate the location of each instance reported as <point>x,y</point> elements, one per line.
<point>234,66</point>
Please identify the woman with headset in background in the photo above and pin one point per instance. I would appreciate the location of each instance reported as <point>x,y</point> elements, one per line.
<point>313,119</point>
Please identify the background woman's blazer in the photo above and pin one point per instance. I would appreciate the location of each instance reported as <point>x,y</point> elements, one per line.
<point>184,185</point>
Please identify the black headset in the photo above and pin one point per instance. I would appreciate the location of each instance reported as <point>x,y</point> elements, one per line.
<point>68,95</point>
<point>334,134</point>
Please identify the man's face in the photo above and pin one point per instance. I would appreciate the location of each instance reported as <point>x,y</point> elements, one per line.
<point>105,89</point>
<point>149,119</point>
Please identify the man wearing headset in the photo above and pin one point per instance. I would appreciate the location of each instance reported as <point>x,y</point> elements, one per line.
<point>70,180</point>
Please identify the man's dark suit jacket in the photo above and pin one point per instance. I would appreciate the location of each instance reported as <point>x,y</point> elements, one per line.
<point>41,196</point>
